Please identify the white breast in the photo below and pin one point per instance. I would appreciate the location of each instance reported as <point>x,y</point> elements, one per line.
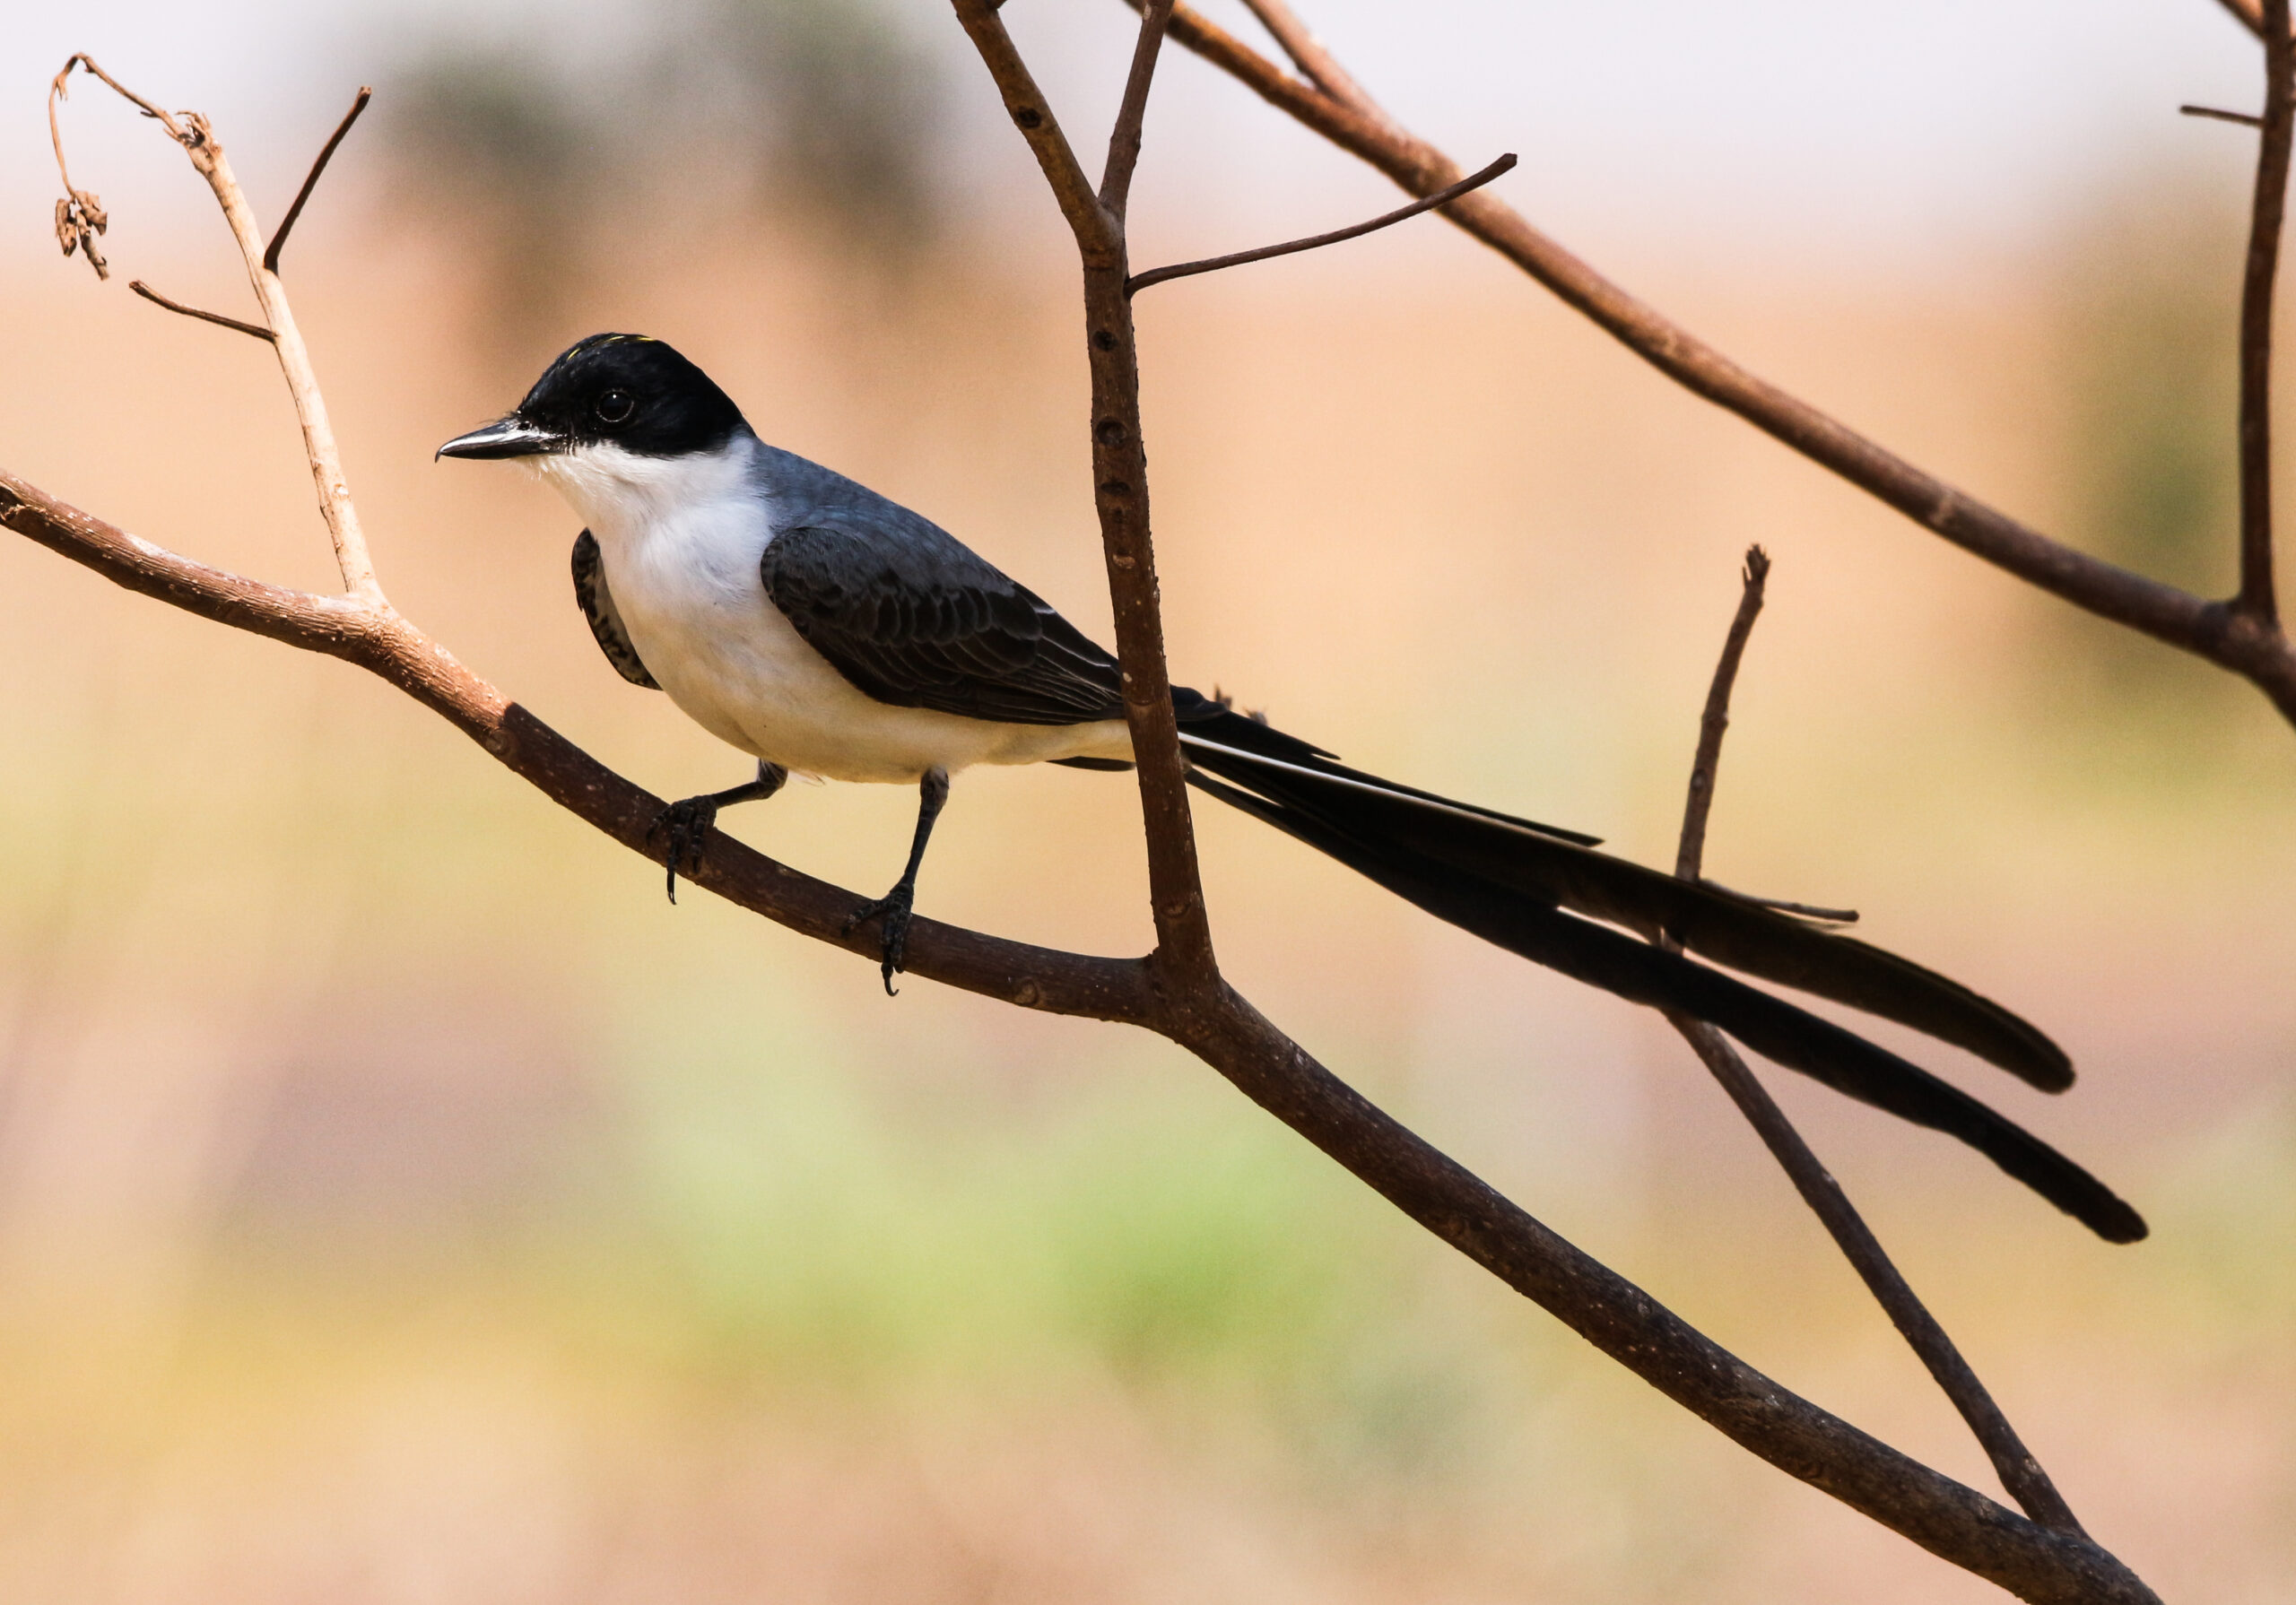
<point>680,539</point>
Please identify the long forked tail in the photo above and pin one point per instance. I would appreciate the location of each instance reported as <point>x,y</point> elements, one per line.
<point>1538,891</point>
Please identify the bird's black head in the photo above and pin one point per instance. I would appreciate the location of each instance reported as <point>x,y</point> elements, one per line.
<point>628,391</point>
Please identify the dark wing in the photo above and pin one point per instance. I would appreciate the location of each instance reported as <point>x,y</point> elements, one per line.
<point>920,624</point>
<point>605,620</point>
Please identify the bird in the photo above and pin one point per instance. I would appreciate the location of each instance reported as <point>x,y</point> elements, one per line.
<point>824,630</point>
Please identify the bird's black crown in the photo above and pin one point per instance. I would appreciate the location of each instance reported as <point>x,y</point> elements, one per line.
<point>630,391</point>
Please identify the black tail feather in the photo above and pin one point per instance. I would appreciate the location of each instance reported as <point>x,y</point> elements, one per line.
<point>1337,816</point>
<point>1723,926</point>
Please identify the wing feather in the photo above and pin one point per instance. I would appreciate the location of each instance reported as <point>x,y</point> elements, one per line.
<point>919,625</point>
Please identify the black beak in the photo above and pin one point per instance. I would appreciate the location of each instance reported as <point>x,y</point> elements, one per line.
<point>511,436</point>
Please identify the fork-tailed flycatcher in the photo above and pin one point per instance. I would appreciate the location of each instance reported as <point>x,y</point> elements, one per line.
<point>820,627</point>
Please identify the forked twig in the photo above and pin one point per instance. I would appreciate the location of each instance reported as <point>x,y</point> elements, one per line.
<point>1184,950</point>
<point>2020,1472</point>
<point>157,299</point>
<point>193,133</point>
<point>1158,275</point>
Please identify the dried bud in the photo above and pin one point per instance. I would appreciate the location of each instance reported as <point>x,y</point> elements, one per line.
<point>67,229</point>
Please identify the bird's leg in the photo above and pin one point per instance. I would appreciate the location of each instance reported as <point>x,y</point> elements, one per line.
<point>895,905</point>
<point>687,822</point>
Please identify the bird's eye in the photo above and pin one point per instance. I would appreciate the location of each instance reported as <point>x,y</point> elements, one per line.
<point>615,407</point>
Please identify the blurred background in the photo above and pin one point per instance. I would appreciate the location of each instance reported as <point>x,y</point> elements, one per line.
<point>400,1202</point>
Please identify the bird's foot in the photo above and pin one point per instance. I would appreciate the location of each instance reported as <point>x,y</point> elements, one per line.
<point>686,824</point>
<point>894,909</point>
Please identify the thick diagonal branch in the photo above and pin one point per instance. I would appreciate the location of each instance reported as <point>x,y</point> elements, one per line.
<point>2020,1471</point>
<point>2234,639</point>
<point>1942,1516</point>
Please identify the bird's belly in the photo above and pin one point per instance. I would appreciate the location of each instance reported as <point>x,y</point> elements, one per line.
<point>741,670</point>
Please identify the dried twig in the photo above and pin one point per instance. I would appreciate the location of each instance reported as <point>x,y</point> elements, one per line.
<point>310,180</point>
<point>1715,720</point>
<point>191,131</point>
<point>2020,1472</point>
<point>157,299</point>
<point>1158,275</point>
<point>2239,640</point>
<point>2257,599</point>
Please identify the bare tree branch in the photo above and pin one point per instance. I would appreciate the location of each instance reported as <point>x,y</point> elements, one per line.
<point>1158,275</point>
<point>1183,953</point>
<point>157,299</point>
<point>1951,1521</point>
<point>2234,639</point>
<point>1175,991</point>
<point>2020,1471</point>
<point>2257,599</point>
<point>311,179</point>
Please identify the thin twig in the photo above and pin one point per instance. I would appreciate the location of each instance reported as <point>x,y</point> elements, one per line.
<point>1308,54</point>
<point>2020,1472</point>
<point>1716,719</point>
<point>1158,275</point>
<point>2257,598</point>
<point>310,179</point>
<point>1808,911</point>
<point>2241,643</point>
<point>157,299</point>
<point>1132,112</point>
<point>2221,115</point>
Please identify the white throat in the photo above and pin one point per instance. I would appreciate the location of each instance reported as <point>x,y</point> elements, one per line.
<point>626,499</point>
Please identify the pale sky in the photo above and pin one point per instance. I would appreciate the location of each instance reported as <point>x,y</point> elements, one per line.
<point>1878,132</point>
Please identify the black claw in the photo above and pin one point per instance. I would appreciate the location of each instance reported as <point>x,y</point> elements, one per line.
<point>685,823</point>
<point>894,910</point>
